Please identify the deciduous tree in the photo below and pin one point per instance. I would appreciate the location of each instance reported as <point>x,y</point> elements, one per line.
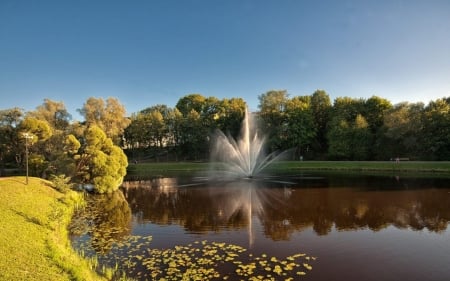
<point>110,116</point>
<point>101,163</point>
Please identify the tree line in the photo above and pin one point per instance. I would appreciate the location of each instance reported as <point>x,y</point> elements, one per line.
<point>311,125</point>
<point>97,149</point>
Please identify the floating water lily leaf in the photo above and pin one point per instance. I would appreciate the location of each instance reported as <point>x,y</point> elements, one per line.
<point>200,260</point>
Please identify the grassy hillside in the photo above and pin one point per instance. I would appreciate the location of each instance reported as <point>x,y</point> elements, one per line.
<point>33,238</point>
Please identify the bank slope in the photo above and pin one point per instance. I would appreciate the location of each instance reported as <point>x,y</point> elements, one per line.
<point>33,236</point>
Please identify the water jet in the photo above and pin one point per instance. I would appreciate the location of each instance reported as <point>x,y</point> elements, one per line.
<point>240,158</point>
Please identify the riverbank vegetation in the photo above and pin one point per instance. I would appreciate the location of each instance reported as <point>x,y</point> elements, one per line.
<point>33,236</point>
<point>142,170</point>
<point>313,126</point>
<point>47,143</point>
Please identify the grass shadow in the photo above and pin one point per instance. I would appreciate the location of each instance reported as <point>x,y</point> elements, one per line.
<point>30,219</point>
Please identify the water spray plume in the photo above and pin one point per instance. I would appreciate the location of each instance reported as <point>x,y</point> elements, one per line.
<point>243,157</point>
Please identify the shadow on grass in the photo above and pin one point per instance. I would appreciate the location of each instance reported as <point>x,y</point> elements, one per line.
<point>30,219</point>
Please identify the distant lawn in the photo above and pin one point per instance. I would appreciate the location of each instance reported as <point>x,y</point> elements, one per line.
<point>166,168</point>
<point>186,168</point>
<point>402,166</point>
<point>33,237</point>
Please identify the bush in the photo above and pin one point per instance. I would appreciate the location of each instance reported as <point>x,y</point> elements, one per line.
<point>61,183</point>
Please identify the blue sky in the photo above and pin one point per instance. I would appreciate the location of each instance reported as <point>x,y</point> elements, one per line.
<point>155,52</point>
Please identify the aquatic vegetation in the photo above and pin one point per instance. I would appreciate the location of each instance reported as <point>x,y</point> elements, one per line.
<point>200,260</point>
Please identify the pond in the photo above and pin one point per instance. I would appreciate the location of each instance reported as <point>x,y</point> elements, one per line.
<point>306,226</point>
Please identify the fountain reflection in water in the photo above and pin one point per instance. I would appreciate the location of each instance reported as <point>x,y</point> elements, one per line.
<point>243,157</point>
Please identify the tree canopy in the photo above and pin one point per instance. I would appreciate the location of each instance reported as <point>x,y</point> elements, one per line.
<point>92,151</point>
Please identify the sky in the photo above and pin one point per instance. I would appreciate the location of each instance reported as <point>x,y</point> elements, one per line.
<point>149,52</point>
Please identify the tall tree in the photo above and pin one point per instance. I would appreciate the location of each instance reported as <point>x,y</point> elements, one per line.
<point>349,140</point>
<point>321,107</point>
<point>55,113</point>
<point>10,120</point>
<point>194,141</point>
<point>39,132</point>
<point>110,116</point>
<point>300,129</point>
<point>49,155</point>
<point>374,110</point>
<point>436,133</point>
<point>230,116</point>
<point>272,107</point>
<point>100,162</point>
<point>191,102</point>
<point>400,134</point>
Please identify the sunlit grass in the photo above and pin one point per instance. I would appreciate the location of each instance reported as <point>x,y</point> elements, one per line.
<point>442,167</point>
<point>33,238</point>
<point>167,169</point>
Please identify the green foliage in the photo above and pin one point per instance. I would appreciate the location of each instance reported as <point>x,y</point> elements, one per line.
<point>40,129</point>
<point>102,163</point>
<point>321,108</point>
<point>350,128</point>
<point>349,140</point>
<point>9,135</point>
<point>61,183</point>
<point>108,116</point>
<point>436,133</point>
<point>191,102</point>
<point>54,113</point>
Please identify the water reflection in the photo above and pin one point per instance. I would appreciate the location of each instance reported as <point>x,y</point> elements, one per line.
<point>106,220</point>
<point>283,211</point>
<point>360,228</point>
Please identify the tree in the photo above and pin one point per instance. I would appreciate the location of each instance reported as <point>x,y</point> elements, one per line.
<point>300,128</point>
<point>400,133</point>
<point>435,136</point>
<point>55,113</point>
<point>135,134</point>
<point>174,123</point>
<point>349,140</point>
<point>40,132</point>
<point>272,107</point>
<point>101,163</point>
<point>321,107</point>
<point>194,136</point>
<point>49,155</point>
<point>10,120</point>
<point>109,116</point>
<point>191,102</point>
<point>375,109</point>
<point>361,139</point>
<point>230,116</point>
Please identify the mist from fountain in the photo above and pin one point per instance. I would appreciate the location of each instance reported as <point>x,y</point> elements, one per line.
<point>243,157</point>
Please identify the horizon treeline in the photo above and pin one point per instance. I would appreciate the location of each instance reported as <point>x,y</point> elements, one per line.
<point>312,126</point>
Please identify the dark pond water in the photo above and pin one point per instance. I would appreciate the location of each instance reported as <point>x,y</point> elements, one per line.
<point>308,227</point>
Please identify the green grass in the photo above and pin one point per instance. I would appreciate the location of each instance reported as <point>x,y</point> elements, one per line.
<point>403,166</point>
<point>34,241</point>
<point>411,167</point>
<point>166,168</point>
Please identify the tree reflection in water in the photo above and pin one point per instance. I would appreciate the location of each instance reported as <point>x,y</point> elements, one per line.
<point>106,219</point>
<point>271,211</point>
<point>284,210</point>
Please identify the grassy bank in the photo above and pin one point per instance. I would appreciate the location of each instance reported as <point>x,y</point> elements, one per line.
<point>33,238</point>
<point>169,169</point>
<point>375,166</point>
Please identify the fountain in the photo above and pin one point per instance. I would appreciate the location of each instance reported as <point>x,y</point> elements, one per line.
<point>241,158</point>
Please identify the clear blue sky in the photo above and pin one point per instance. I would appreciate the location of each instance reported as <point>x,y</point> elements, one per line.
<point>155,52</point>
